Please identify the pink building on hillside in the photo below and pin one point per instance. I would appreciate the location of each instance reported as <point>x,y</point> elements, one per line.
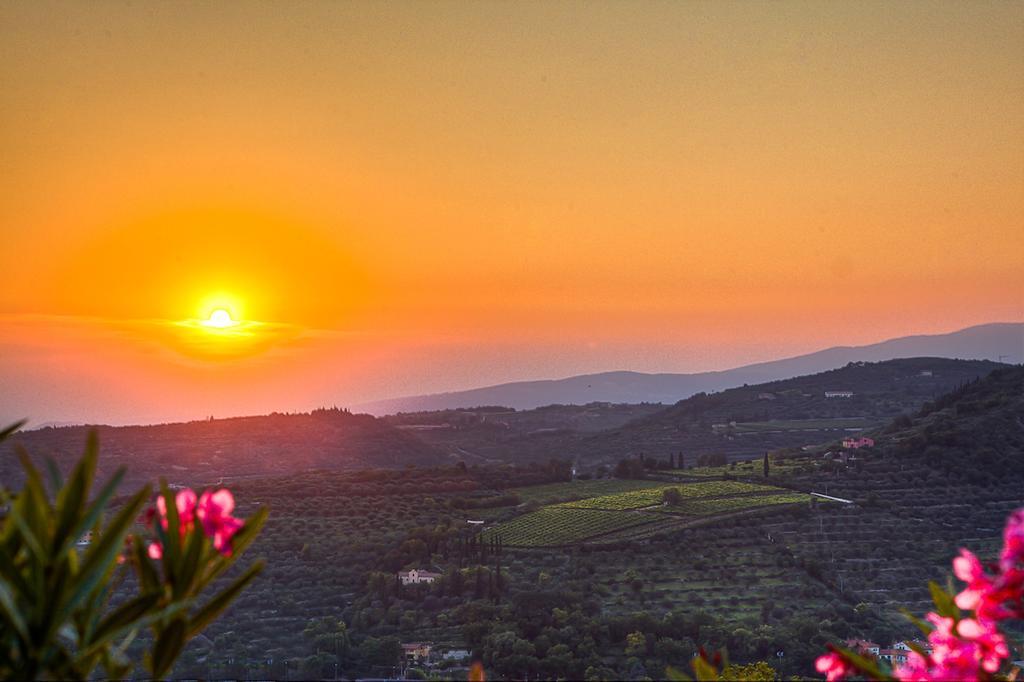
<point>856,443</point>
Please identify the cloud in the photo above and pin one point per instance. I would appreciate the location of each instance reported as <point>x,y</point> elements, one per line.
<point>187,340</point>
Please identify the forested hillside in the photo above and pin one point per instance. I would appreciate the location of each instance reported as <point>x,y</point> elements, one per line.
<point>747,421</point>
<point>789,413</point>
<point>785,578</point>
<point>203,452</point>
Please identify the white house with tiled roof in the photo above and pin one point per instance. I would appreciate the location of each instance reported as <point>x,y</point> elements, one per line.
<point>416,576</point>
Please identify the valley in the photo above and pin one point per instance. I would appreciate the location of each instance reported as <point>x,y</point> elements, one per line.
<point>599,579</point>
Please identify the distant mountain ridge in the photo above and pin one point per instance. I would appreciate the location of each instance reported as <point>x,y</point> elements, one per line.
<point>998,341</point>
<point>748,420</point>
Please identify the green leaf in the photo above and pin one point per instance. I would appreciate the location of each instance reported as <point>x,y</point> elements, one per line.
<point>944,604</point>
<point>10,573</point>
<point>17,519</point>
<point>92,515</point>
<point>703,670</point>
<point>33,480</point>
<point>148,576</point>
<point>172,537</point>
<point>55,618</point>
<point>192,560</point>
<point>866,665</point>
<point>675,675</point>
<point>124,617</point>
<point>32,505</point>
<point>216,606</point>
<point>167,648</point>
<point>71,498</point>
<point>115,669</point>
<point>103,553</point>
<point>12,614</point>
<point>56,480</point>
<point>922,625</point>
<point>239,543</point>
<point>8,430</point>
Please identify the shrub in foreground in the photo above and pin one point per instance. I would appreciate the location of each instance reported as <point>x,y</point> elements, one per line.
<point>64,610</point>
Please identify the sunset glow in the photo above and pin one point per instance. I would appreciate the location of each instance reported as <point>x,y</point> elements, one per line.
<point>691,187</point>
<point>560,340</point>
<point>219,319</point>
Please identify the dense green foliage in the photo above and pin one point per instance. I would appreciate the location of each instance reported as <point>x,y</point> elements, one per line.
<point>626,602</point>
<point>234,448</point>
<point>882,391</point>
<point>788,578</point>
<point>63,606</point>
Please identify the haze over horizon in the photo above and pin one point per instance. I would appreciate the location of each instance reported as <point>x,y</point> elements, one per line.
<point>978,342</point>
<point>401,199</point>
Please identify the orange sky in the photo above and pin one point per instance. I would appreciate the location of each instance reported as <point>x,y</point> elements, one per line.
<point>412,197</point>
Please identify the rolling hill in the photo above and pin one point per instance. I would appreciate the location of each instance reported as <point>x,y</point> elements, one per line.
<point>788,413</point>
<point>784,577</point>
<point>204,451</point>
<point>999,341</point>
<point>971,438</point>
<point>747,421</point>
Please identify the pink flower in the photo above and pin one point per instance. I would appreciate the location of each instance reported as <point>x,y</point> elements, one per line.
<point>966,567</point>
<point>959,651</point>
<point>185,501</point>
<point>952,657</point>
<point>214,512</point>
<point>914,670</point>
<point>833,666</point>
<point>1013,542</point>
<point>985,594</point>
<point>991,645</point>
<point>999,596</point>
<point>972,647</point>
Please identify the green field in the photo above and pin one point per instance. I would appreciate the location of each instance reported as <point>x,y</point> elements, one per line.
<point>576,490</point>
<point>710,472</point>
<point>666,524</point>
<point>552,526</point>
<point>637,499</point>
<point>617,514</point>
<point>805,425</point>
<point>746,468</point>
<point>722,505</point>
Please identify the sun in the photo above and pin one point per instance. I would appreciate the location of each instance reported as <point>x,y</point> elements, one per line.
<point>221,331</point>
<point>220,319</point>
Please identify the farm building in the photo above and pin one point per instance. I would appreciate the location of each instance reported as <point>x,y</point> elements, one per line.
<point>456,655</point>
<point>863,646</point>
<point>838,394</point>
<point>844,456</point>
<point>857,443</point>
<point>898,653</point>
<point>766,396</point>
<point>415,576</point>
<point>416,652</point>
